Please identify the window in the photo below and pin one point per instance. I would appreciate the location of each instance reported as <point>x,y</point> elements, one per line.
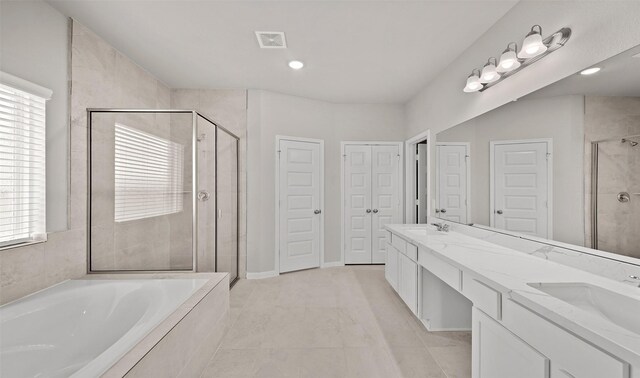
<point>148,175</point>
<point>22,161</point>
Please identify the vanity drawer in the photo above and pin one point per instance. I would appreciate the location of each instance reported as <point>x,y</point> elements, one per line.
<point>399,243</point>
<point>441,269</point>
<point>412,252</point>
<point>483,297</point>
<point>568,354</point>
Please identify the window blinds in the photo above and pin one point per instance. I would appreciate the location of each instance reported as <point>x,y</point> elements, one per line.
<point>22,166</point>
<point>148,175</point>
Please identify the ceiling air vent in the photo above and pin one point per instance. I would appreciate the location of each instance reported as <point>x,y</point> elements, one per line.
<point>271,40</point>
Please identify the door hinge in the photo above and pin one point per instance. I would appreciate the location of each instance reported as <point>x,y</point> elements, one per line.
<point>548,155</point>
<point>418,202</point>
<point>417,157</point>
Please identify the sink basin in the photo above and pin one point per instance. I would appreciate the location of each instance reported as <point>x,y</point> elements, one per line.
<point>616,308</point>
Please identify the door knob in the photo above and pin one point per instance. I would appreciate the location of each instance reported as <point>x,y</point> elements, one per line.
<point>498,211</point>
<point>368,211</point>
<point>443,210</point>
<point>375,211</point>
<point>317,211</point>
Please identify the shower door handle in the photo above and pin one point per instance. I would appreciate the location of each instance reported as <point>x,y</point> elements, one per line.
<point>203,195</point>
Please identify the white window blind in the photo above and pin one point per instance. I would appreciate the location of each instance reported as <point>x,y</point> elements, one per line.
<point>22,164</point>
<point>148,175</point>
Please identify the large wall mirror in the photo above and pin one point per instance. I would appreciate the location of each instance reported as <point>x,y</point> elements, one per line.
<point>562,163</point>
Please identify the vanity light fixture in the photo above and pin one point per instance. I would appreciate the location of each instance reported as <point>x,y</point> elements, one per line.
<point>508,59</point>
<point>489,72</point>
<point>296,64</point>
<point>532,45</point>
<point>590,71</point>
<point>534,48</point>
<point>473,82</point>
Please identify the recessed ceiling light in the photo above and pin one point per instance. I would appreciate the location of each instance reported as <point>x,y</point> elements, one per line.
<point>296,64</point>
<point>590,71</point>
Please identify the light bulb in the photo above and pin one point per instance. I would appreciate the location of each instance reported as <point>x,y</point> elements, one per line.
<point>489,73</point>
<point>532,45</point>
<point>508,61</point>
<point>473,83</point>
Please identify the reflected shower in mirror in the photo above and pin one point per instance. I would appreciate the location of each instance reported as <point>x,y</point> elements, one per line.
<point>562,163</point>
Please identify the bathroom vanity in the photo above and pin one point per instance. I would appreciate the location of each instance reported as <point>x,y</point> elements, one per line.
<point>529,316</point>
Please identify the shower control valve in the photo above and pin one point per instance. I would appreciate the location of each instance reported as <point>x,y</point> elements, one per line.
<point>203,195</point>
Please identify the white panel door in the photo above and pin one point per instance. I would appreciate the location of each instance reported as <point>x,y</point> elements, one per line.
<point>452,182</point>
<point>520,187</point>
<point>422,168</point>
<point>300,216</point>
<point>385,197</point>
<point>357,191</point>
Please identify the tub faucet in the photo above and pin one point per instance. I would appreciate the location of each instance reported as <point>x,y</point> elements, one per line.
<point>441,226</point>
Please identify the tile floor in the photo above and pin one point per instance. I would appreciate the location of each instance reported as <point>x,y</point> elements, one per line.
<point>334,322</point>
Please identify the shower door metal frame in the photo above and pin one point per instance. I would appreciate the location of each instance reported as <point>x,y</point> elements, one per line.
<point>194,183</point>
<point>594,186</point>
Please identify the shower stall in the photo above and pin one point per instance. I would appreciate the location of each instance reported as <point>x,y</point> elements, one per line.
<point>615,195</point>
<point>162,192</point>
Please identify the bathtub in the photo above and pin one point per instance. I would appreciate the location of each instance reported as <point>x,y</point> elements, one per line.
<point>81,328</point>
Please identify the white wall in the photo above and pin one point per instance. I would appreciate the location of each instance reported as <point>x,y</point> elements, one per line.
<point>272,114</point>
<point>34,46</point>
<point>600,30</point>
<point>559,118</point>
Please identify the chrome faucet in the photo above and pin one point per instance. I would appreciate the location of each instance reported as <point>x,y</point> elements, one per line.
<point>441,226</point>
<point>636,280</point>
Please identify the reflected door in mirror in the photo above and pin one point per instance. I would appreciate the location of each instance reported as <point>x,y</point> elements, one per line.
<point>453,181</point>
<point>520,187</point>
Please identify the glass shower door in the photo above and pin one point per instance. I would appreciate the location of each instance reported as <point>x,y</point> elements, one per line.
<point>206,201</point>
<point>227,203</point>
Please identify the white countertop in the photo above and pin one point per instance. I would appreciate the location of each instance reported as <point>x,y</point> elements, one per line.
<point>509,271</point>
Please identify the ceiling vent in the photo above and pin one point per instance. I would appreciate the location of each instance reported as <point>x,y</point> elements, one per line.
<point>271,40</point>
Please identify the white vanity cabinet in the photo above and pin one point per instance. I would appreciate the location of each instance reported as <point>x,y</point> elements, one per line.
<point>401,270</point>
<point>391,270</point>
<point>509,338</point>
<point>408,282</point>
<point>498,353</point>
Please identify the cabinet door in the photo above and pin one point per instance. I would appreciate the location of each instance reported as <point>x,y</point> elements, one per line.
<point>498,353</point>
<point>409,282</point>
<point>391,267</point>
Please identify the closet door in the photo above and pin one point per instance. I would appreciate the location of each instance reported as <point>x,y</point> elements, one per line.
<point>385,197</point>
<point>357,191</point>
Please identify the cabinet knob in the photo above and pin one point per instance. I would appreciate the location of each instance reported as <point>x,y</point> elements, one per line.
<point>375,211</point>
<point>317,211</point>
<point>498,211</point>
<point>368,211</point>
<point>443,210</point>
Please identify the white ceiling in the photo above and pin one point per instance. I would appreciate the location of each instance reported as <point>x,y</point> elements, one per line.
<point>619,76</point>
<point>354,51</point>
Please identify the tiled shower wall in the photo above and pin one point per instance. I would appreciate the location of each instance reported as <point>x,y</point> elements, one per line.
<point>102,77</point>
<point>227,108</point>
<point>618,171</point>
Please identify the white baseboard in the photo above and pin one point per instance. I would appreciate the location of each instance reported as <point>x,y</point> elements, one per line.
<point>332,264</point>
<point>259,275</point>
